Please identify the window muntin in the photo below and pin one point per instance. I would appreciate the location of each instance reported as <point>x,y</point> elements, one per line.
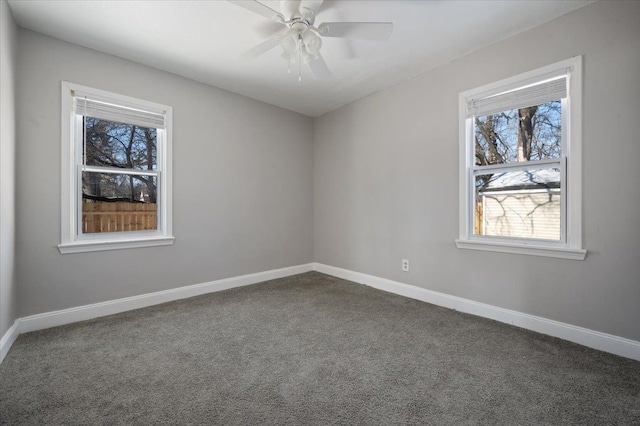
<point>520,164</point>
<point>117,168</point>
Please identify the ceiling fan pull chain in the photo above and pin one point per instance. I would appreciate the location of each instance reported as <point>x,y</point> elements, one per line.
<point>299,51</point>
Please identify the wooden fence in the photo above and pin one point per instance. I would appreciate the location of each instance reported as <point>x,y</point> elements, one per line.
<point>478,221</point>
<point>118,217</point>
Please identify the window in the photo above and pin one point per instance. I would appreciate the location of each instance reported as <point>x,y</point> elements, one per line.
<point>116,171</point>
<point>520,164</point>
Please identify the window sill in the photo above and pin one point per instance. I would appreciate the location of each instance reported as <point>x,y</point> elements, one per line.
<point>88,246</point>
<point>558,252</point>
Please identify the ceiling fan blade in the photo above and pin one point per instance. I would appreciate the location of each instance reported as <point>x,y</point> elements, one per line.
<point>259,8</point>
<point>258,50</point>
<point>290,8</point>
<point>319,68</point>
<point>361,30</point>
<point>310,8</point>
<point>312,4</point>
<point>267,29</point>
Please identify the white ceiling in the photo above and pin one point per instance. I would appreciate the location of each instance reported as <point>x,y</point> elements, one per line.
<point>199,39</point>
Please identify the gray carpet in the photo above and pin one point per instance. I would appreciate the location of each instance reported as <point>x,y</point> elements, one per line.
<point>309,349</point>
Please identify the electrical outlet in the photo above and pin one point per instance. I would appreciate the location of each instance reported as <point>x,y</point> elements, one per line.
<point>405,265</point>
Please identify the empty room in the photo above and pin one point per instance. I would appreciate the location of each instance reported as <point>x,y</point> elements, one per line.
<point>320,212</point>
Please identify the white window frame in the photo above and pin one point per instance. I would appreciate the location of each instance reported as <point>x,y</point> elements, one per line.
<point>570,244</point>
<point>72,240</point>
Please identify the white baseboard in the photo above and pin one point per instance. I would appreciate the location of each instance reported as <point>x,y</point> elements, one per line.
<point>583,336</point>
<point>593,339</point>
<point>7,340</point>
<point>82,313</point>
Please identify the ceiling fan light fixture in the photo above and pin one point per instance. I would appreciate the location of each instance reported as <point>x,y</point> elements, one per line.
<point>300,47</point>
<point>312,42</point>
<point>301,41</point>
<point>289,42</point>
<point>306,56</point>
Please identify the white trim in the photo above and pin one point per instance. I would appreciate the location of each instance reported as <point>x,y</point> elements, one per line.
<point>83,246</point>
<point>7,340</point>
<point>86,312</point>
<point>67,168</point>
<point>571,169</point>
<point>504,247</point>
<point>96,310</point>
<point>583,336</point>
<point>574,152</point>
<point>71,240</point>
<point>593,339</point>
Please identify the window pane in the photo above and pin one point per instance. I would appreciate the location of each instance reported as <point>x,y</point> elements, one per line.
<point>113,144</point>
<point>118,203</point>
<point>525,134</point>
<point>524,204</point>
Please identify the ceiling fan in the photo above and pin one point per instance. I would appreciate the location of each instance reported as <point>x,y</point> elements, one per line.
<point>301,40</point>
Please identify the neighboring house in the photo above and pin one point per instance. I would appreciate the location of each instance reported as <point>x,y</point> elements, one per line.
<point>523,203</point>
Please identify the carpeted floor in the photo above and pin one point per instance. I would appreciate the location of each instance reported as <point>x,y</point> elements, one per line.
<point>309,349</point>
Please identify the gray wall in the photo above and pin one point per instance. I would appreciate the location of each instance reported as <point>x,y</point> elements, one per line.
<point>384,184</point>
<point>386,179</point>
<point>242,184</point>
<point>8,293</point>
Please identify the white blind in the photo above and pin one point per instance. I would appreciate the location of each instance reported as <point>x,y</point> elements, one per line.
<point>119,113</point>
<point>547,91</point>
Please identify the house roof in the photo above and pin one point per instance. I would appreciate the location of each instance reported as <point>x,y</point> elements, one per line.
<point>522,179</point>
